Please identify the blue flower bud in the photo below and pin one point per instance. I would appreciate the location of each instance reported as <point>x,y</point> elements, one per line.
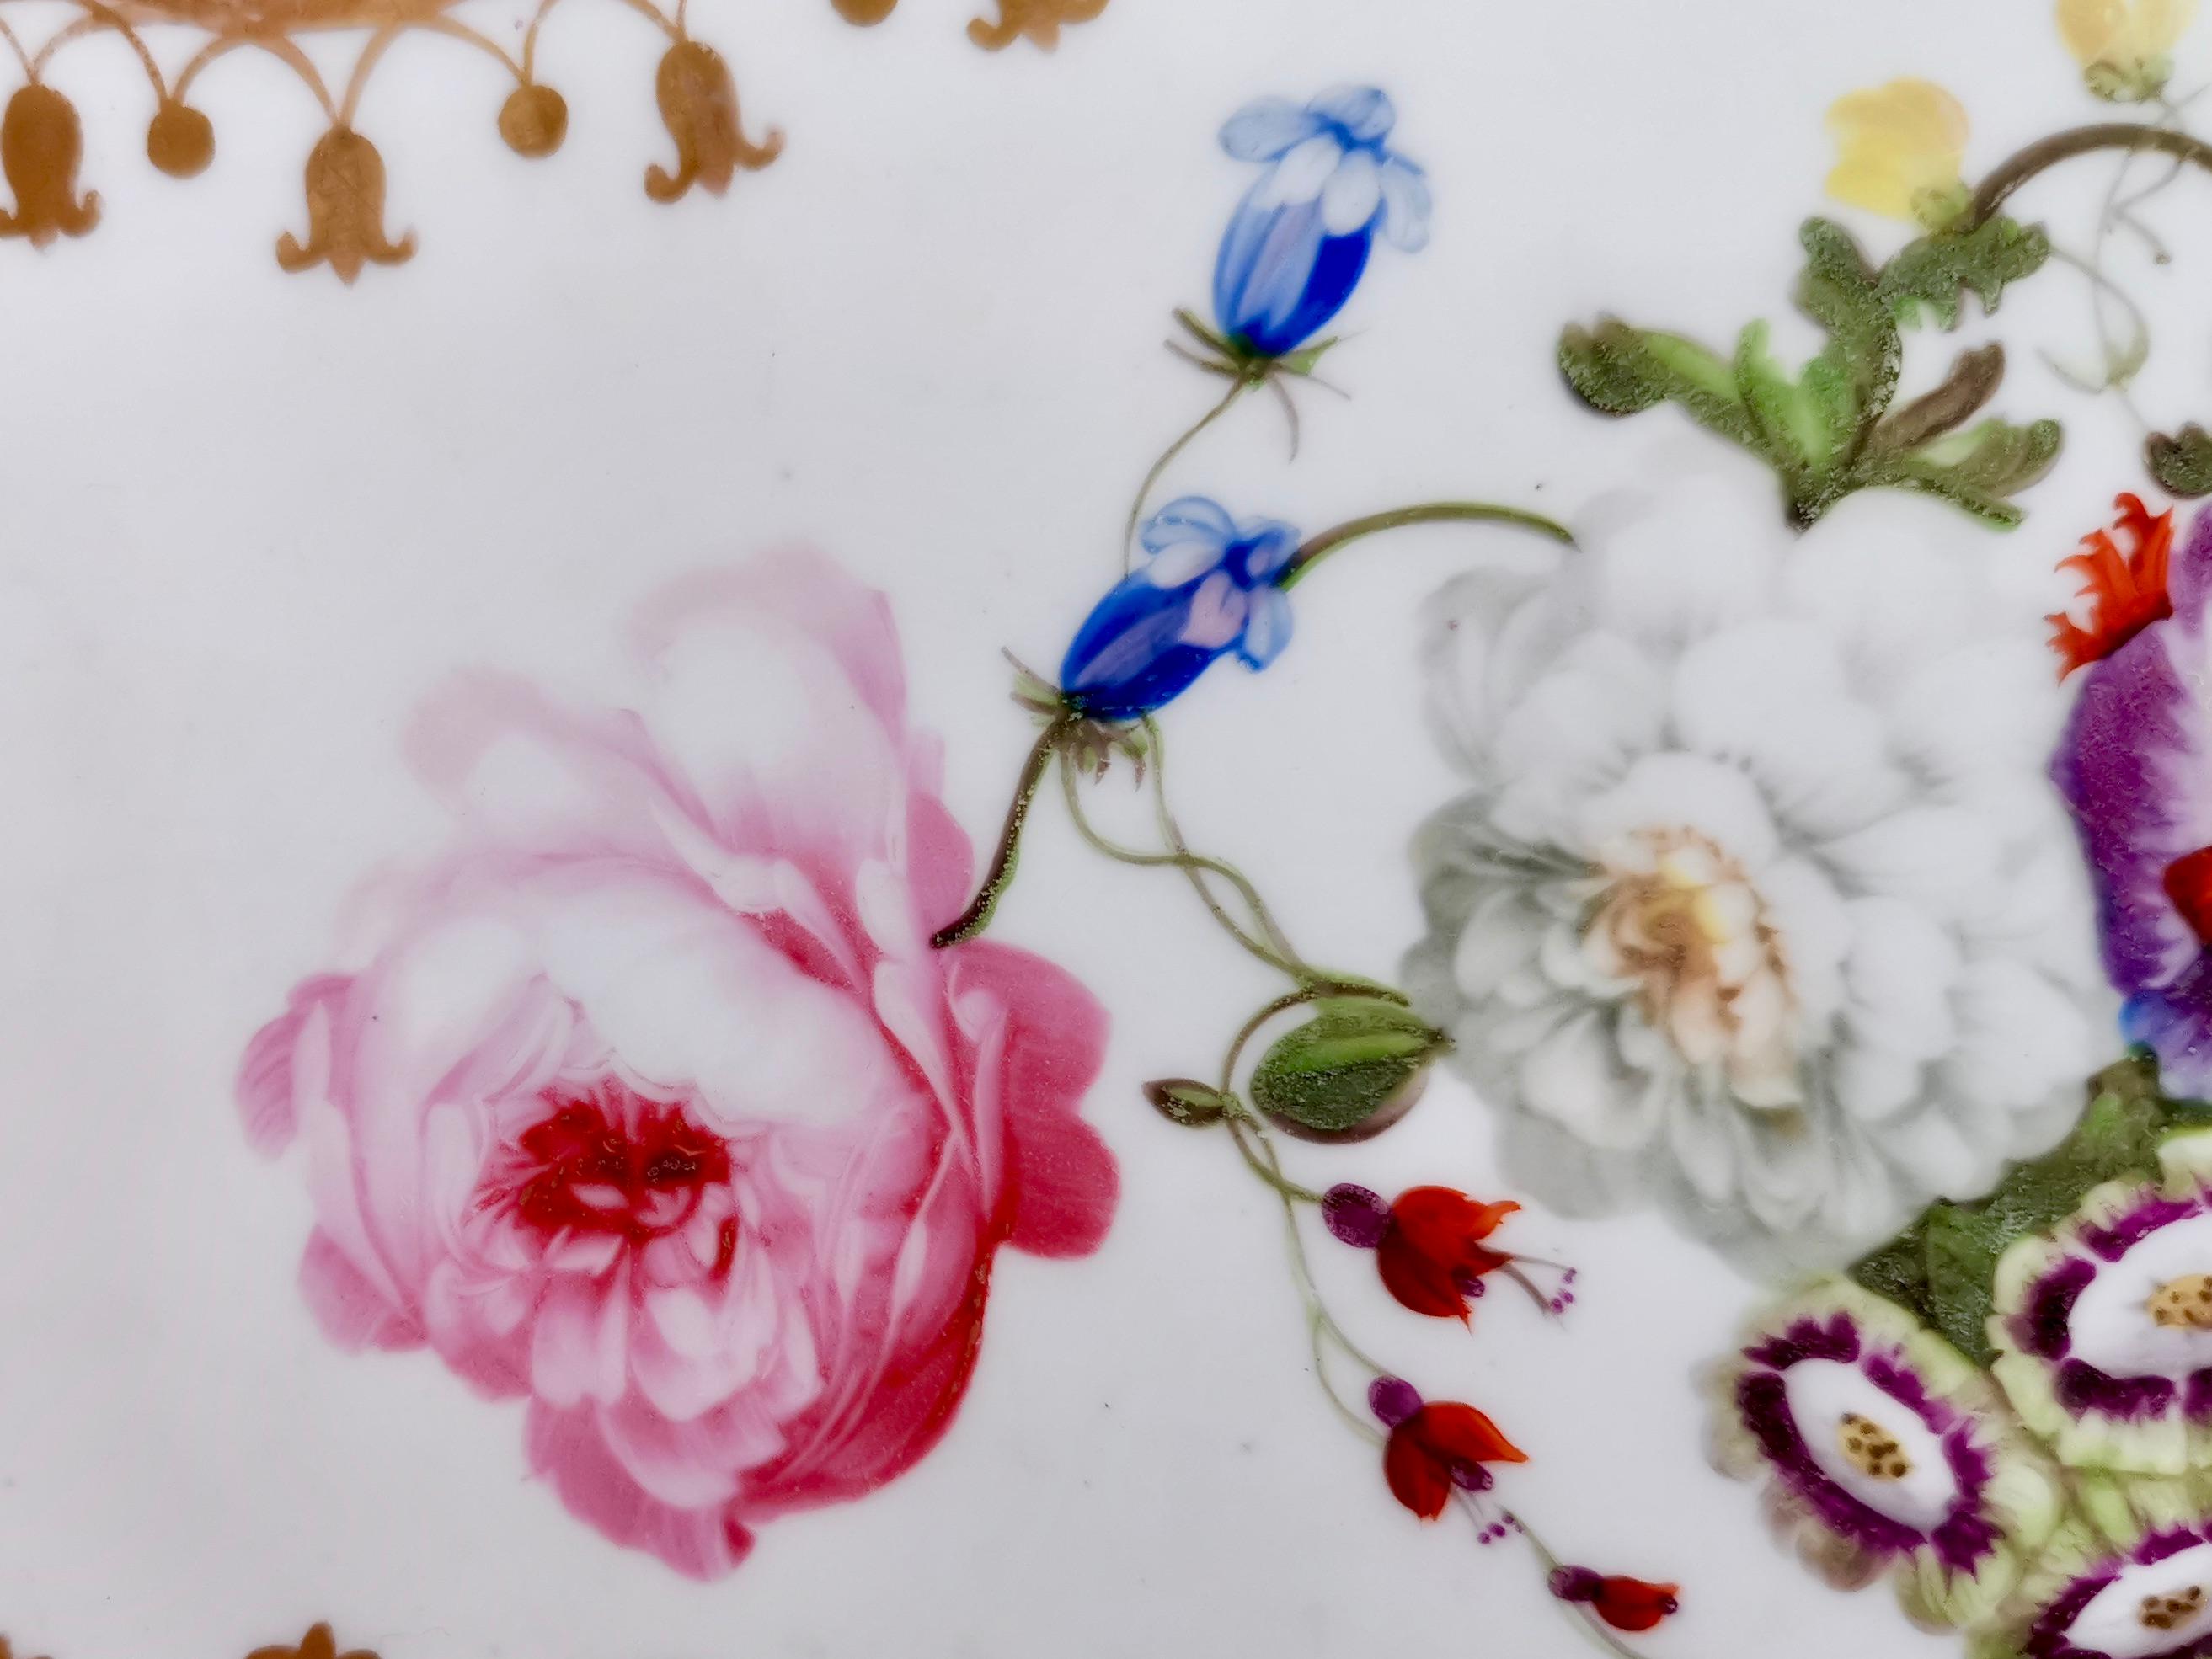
<point>1301,237</point>
<point>1205,588</point>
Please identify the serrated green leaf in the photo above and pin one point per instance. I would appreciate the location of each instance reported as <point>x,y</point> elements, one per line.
<point>1927,277</point>
<point>1837,289</point>
<point>1976,470</point>
<point>1943,1265</point>
<point>2182,463</point>
<point>1334,1074</point>
<point>1619,370</point>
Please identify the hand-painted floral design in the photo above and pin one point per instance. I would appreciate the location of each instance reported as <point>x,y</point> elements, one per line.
<point>1433,1449</point>
<point>2124,47</point>
<point>1899,149</point>
<point>320,1643</point>
<point>2135,767</point>
<point>1205,588</point>
<point>1758,903</point>
<point>2128,1576</point>
<point>2123,589</point>
<point>2104,1325</point>
<point>1432,1245</point>
<point>1883,1452</point>
<point>651,1104</point>
<point>1301,239</point>
<point>1625,1603</point>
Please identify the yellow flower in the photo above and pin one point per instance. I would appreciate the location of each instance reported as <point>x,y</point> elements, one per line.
<point>1898,151</point>
<point>2124,46</point>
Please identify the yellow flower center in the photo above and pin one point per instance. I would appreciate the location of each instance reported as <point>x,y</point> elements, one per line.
<point>1871,1449</point>
<point>2183,1303</point>
<point>1680,923</point>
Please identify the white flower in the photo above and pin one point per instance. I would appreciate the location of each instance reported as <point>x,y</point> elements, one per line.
<point>1760,903</point>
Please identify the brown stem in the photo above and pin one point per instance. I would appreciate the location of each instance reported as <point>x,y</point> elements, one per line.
<point>977,916</point>
<point>1317,548</point>
<point>2047,152</point>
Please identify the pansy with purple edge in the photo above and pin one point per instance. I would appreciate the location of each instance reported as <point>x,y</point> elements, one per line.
<point>1885,1453</point>
<point>2128,1576</point>
<point>2103,1327</point>
<point>2136,768</point>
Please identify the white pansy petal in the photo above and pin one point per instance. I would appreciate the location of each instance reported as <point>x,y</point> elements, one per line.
<point>1217,614</point>
<point>1301,175</point>
<point>1353,196</point>
<point>1406,205</point>
<point>1264,128</point>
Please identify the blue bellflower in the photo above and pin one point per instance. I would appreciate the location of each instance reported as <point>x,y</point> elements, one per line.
<point>1205,589</point>
<point>1300,240</point>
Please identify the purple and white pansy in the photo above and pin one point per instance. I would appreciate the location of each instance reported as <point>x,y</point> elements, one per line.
<point>1884,1454</point>
<point>2103,1327</point>
<point>2128,1576</point>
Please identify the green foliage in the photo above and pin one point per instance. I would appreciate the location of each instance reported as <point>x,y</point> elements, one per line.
<point>1342,1071</point>
<point>1943,1265</point>
<point>1827,429</point>
<point>1193,1105</point>
<point>2182,463</point>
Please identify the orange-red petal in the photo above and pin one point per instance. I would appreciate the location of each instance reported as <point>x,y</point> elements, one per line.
<point>1461,1434</point>
<point>1417,1479</point>
<point>1419,1280</point>
<point>2126,590</point>
<point>1631,1604</point>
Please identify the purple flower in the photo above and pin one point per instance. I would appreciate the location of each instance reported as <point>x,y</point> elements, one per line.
<point>2104,1327</point>
<point>2135,767</point>
<point>1884,1451</point>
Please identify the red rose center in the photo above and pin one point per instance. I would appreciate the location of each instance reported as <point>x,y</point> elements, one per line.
<point>2189,884</point>
<point>639,1173</point>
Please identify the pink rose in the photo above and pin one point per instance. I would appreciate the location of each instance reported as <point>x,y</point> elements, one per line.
<point>652,1103</point>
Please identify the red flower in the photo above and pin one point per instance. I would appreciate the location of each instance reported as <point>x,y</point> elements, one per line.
<point>1429,1246</point>
<point>1433,1449</point>
<point>2126,591</point>
<point>1624,1603</point>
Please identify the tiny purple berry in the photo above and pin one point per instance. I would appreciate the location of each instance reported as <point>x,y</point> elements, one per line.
<point>1393,1400</point>
<point>1356,1216</point>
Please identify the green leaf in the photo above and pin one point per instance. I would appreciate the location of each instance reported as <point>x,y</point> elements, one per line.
<point>1973,380</point>
<point>1976,470</point>
<point>1927,277</point>
<point>1837,289</point>
<point>2182,463</point>
<point>1619,370</point>
<point>1943,1265</point>
<point>1193,1104</point>
<point>1339,1075</point>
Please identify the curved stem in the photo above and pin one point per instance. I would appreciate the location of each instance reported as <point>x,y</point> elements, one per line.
<point>1268,1172</point>
<point>1181,860</point>
<point>1587,1621</point>
<point>1236,389</point>
<point>1317,548</point>
<point>16,46</point>
<point>1171,832</point>
<point>996,879</point>
<point>2047,152</point>
<point>100,16</point>
<point>280,47</point>
<point>363,67</point>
